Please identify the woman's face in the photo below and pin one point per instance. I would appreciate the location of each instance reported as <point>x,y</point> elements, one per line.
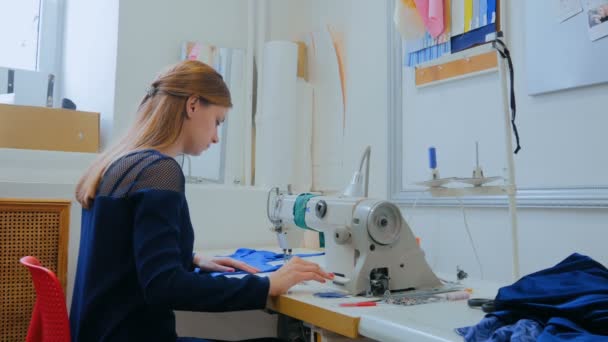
<point>200,127</point>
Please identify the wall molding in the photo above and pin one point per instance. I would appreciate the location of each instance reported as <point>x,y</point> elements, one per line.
<point>526,198</point>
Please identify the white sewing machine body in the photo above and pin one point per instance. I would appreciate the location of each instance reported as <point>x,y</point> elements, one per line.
<point>368,245</point>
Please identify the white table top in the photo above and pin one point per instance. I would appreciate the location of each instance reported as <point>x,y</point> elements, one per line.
<point>387,322</point>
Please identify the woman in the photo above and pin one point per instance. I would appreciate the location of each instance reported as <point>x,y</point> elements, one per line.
<point>136,262</point>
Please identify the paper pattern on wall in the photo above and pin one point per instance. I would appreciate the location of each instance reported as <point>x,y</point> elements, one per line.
<point>276,120</point>
<point>338,44</point>
<point>566,9</point>
<point>328,111</point>
<point>429,48</point>
<point>432,14</point>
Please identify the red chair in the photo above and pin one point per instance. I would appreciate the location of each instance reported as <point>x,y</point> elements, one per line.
<point>50,321</point>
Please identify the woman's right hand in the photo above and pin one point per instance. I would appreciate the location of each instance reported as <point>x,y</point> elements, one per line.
<point>295,271</point>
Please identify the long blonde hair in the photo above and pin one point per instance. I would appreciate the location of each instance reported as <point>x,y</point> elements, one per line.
<point>160,117</point>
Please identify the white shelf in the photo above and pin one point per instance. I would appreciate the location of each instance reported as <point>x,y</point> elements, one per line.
<point>472,191</point>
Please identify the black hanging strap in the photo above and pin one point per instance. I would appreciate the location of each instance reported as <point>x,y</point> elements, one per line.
<point>502,49</point>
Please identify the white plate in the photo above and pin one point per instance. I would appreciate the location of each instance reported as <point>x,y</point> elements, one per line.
<point>433,183</point>
<point>477,181</point>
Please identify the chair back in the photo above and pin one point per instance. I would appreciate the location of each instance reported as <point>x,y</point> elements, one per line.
<point>50,321</point>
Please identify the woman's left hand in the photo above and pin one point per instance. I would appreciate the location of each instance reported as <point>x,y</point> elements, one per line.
<point>222,264</point>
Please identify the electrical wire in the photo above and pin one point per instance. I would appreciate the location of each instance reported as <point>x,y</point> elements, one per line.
<point>466,226</point>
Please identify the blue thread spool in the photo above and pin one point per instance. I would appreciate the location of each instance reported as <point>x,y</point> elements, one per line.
<point>433,163</point>
<point>432,158</point>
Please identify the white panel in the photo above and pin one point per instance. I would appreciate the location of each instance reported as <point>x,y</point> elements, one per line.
<point>276,119</point>
<point>560,55</point>
<point>3,80</point>
<point>32,166</point>
<point>31,88</point>
<point>221,325</point>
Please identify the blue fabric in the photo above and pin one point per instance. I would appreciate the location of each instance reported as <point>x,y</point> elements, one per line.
<point>135,259</point>
<point>258,259</point>
<point>330,294</point>
<point>569,300</point>
<point>491,329</point>
<point>472,38</point>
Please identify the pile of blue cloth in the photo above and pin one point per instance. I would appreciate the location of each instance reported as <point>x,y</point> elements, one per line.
<point>567,302</point>
<point>259,259</point>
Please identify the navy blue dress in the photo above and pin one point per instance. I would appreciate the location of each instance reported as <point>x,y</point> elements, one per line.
<point>135,260</point>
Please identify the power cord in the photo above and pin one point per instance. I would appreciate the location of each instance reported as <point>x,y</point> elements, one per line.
<point>466,226</point>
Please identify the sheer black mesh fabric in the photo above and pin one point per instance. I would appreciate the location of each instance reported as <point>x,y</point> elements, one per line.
<point>142,170</point>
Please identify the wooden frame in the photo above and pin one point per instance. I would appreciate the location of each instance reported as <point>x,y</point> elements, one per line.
<point>476,64</point>
<point>62,207</point>
<point>36,227</point>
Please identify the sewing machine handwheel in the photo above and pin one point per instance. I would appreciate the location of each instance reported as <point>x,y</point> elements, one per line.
<point>384,223</point>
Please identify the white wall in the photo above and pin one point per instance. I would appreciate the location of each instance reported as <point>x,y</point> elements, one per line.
<point>362,24</point>
<point>546,235</point>
<point>89,58</point>
<point>573,123</point>
<point>33,166</point>
<point>150,38</point>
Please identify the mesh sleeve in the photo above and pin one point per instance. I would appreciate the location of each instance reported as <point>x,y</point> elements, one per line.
<point>163,173</point>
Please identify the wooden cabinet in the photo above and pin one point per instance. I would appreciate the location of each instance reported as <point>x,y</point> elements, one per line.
<point>41,128</point>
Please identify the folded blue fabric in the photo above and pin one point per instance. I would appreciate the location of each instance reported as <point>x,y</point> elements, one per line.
<point>259,259</point>
<point>569,301</point>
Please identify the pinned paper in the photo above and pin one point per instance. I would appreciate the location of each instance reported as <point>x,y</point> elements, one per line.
<point>408,21</point>
<point>568,9</point>
<point>431,12</point>
<point>468,15</point>
<point>597,18</point>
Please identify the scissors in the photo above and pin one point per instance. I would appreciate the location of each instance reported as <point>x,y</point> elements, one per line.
<point>486,305</point>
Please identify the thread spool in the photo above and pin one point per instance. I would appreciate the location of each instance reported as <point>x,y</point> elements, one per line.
<point>432,158</point>
<point>433,163</point>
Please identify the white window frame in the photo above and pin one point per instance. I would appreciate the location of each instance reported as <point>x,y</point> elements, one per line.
<point>50,43</point>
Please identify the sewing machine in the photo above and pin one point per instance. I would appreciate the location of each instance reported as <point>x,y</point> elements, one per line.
<point>368,245</point>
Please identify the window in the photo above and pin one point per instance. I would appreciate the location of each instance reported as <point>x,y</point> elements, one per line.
<point>31,43</point>
<point>20,48</point>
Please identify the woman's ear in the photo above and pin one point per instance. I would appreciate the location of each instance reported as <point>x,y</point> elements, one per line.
<point>191,104</point>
